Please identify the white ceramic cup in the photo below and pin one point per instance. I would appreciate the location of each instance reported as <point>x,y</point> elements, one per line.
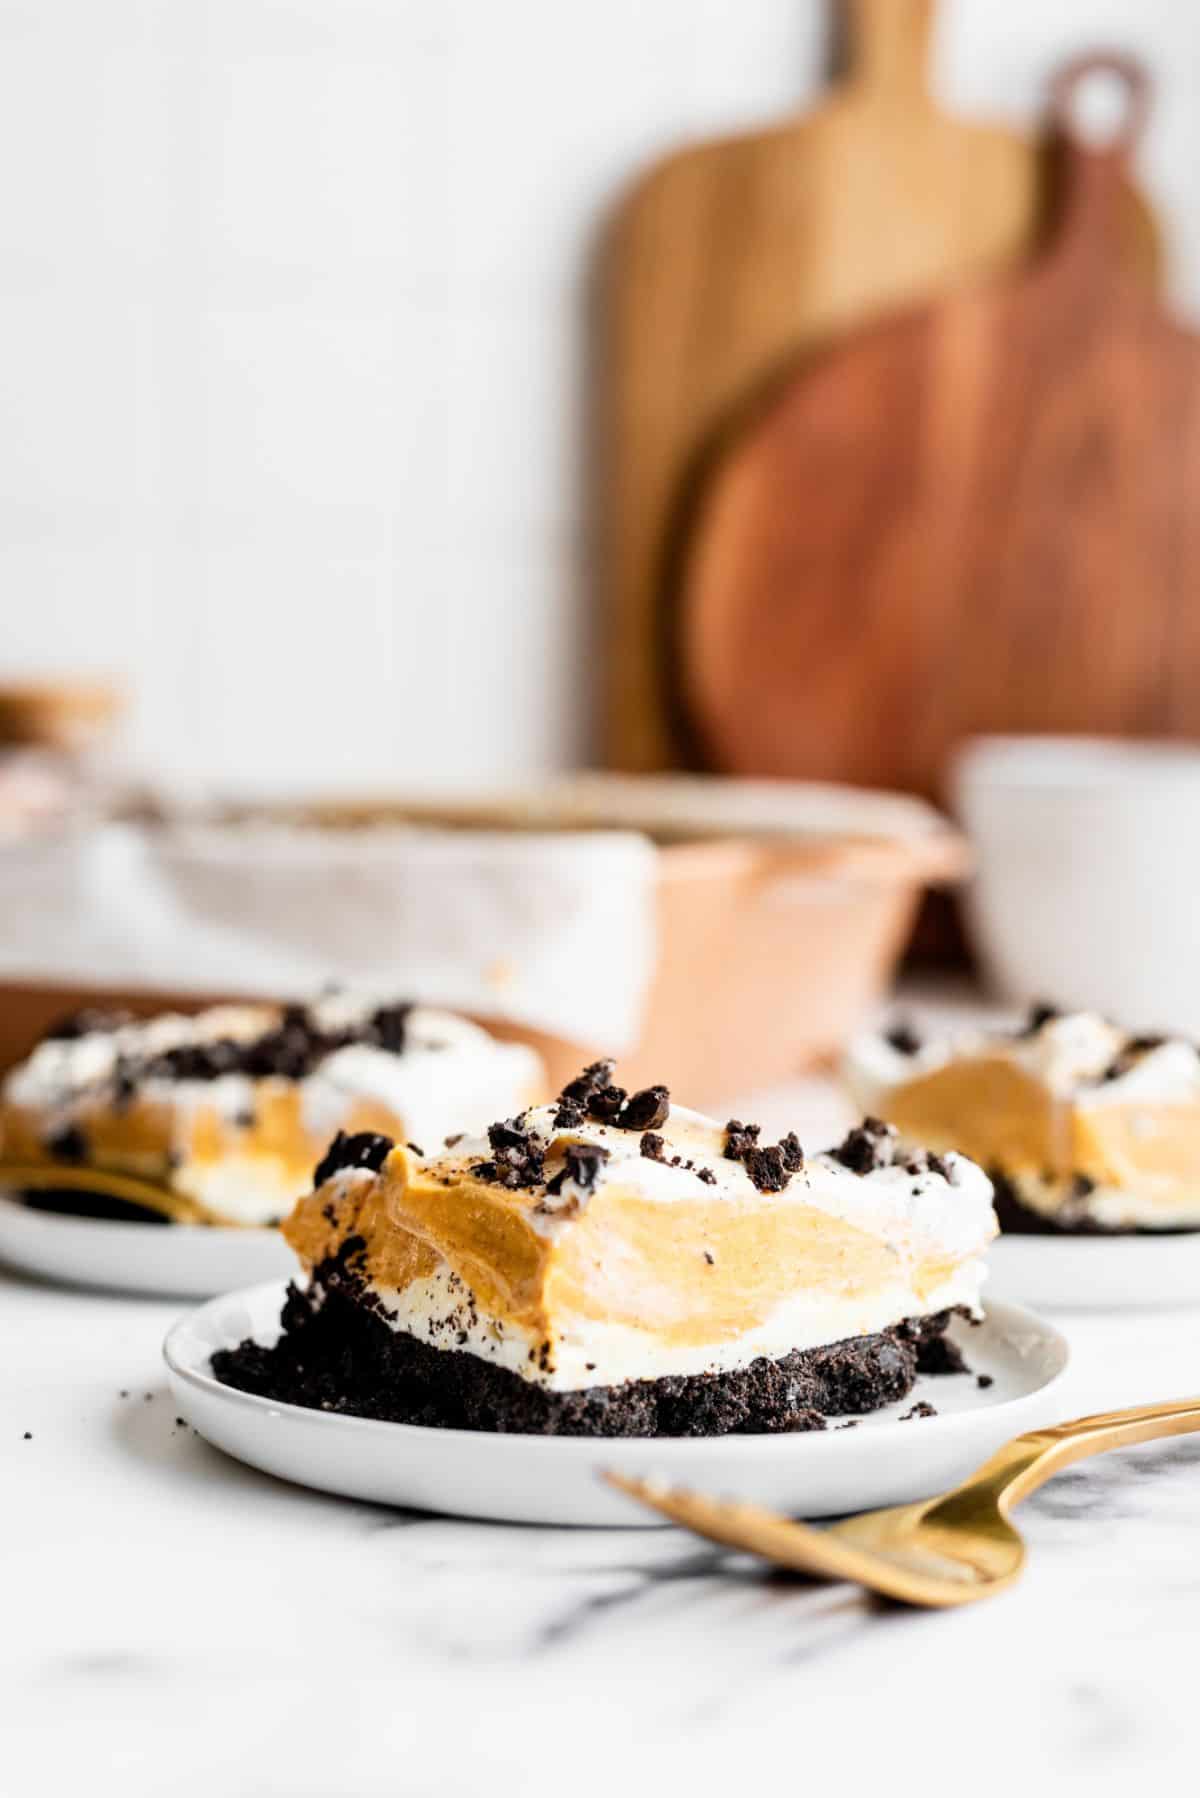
<point>1087,890</point>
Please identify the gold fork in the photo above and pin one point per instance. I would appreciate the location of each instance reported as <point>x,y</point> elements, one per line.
<point>942,1551</point>
<point>63,1176</point>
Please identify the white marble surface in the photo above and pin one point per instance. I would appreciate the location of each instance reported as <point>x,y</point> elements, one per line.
<point>175,1623</point>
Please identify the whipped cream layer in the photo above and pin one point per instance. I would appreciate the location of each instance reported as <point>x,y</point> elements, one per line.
<point>1086,1120</point>
<point>1078,1055</point>
<point>657,1264</point>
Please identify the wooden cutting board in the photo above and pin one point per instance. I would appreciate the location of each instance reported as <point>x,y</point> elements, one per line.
<point>983,515</point>
<point>731,256</point>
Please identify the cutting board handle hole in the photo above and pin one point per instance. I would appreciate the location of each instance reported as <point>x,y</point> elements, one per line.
<point>1099,102</point>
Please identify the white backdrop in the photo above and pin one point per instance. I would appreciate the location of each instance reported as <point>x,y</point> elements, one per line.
<point>291,326</point>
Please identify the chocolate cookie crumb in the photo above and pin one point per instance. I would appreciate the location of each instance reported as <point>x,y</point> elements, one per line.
<point>793,1154</point>
<point>291,1047</point>
<point>648,1109</point>
<point>706,1174</point>
<point>903,1038</point>
<point>593,1077</point>
<point>765,1167</point>
<point>1040,1014</point>
<point>921,1409</point>
<point>606,1103</point>
<point>652,1146</point>
<point>582,1164</point>
<point>867,1147</point>
<point>769,1168</point>
<point>518,1157</point>
<point>389,1027</point>
<point>365,1148</point>
<point>983,1381</point>
<point>739,1137</point>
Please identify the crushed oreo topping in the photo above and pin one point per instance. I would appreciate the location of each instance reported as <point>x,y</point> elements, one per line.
<point>903,1038</point>
<point>653,1146</point>
<point>1040,1015</point>
<point>873,1144</point>
<point>765,1167</point>
<point>648,1109</point>
<point>925,1161</point>
<point>770,1168</point>
<point>291,1048</point>
<point>867,1147</point>
<point>192,1061</point>
<point>739,1137</point>
<point>1133,1050</point>
<point>518,1157</point>
<point>606,1104</point>
<point>365,1148</point>
<point>921,1409</point>
<point>793,1154</point>
<point>581,1164</point>
<point>592,1094</point>
<point>593,1077</point>
<point>388,1028</point>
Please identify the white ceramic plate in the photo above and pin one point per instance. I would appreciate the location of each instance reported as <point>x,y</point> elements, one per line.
<point>540,1479</point>
<point>1096,1272</point>
<point>179,1260</point>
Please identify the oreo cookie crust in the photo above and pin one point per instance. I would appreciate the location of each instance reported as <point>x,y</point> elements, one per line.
<point>75,1202</point>
<point>336,1355</point>
<point>1016,1218</point>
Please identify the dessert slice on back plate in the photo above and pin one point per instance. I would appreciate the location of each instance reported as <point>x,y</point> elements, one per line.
<point>226,1111</point>
<point>615,1265</point>
<point>1082,1126</point>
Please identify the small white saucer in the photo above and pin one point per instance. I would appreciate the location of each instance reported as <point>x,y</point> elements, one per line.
<point>176,1260</point>
<point>1096,1272</point>
<point>556,1479</point>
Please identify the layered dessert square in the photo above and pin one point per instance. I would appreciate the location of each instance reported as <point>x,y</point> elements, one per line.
<point>613,1264</point>
<point>1081,1125</point>
<point>227,1111</point>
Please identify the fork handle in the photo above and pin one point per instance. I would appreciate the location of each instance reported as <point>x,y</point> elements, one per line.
<point>1027,1462</point>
